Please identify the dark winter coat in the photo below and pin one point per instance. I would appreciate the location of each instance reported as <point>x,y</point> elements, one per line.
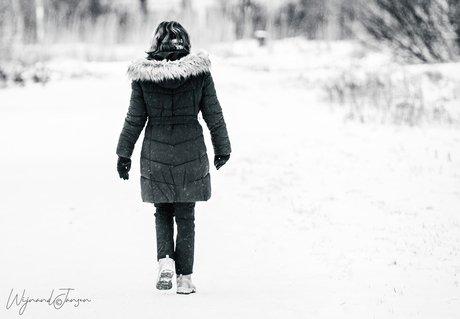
<point>168,95</point>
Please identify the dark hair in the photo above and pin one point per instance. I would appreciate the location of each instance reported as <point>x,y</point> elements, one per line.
<point>169,36</point>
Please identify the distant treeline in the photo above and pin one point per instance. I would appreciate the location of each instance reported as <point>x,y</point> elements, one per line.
<point>314,19</point>
<point>31,21</point>
<point>428,30</point>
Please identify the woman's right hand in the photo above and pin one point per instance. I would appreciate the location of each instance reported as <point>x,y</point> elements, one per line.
<point>123,167</point>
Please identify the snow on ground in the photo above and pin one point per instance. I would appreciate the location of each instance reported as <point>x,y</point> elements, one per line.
<point>312,217</point>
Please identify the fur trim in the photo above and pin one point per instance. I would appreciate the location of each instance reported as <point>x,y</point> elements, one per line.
<point>157,71</point>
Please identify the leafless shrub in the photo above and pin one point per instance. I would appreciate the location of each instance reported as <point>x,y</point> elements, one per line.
<point>420,29</point>
<point>395,97</point>
<point>19,74</point>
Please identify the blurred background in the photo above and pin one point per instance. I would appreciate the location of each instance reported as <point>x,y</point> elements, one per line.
<point>345,35</point>
<point>122,22</point>
<point>428,30</point>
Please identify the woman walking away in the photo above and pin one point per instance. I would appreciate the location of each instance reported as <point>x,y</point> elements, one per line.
<point>169,88</point>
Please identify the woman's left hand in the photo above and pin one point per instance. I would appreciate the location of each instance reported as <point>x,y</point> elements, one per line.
<point>220,160</point>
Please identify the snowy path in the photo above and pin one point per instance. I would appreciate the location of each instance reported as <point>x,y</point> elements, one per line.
<point>311,218</point>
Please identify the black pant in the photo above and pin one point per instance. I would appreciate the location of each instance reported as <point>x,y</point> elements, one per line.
<point>183,253</point>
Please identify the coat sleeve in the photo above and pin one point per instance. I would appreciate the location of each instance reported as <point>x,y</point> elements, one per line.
<point>214,118</point>
<point>134,122</point>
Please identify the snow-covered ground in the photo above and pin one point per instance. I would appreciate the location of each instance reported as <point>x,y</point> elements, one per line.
<point>312,217</point>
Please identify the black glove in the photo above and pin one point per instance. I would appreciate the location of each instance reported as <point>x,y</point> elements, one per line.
<point>220,160</point>
<point>123,167</point>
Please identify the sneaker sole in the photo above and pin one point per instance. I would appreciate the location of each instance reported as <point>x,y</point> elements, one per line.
<point>184,291</point>
<point>165,280</point>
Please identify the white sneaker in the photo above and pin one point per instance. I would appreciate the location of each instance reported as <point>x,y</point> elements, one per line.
<point>165,273</point>
<point>185,285</point>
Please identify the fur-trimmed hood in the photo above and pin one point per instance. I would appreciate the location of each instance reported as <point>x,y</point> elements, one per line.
<point>169,71</point>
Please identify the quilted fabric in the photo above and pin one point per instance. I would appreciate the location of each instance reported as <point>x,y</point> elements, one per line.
<point>167,96</point>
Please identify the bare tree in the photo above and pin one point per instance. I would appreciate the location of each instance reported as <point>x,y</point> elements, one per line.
<point>417,28</point>
<point>454,17</point>
<point>144,9</point>
<point>28,15</point>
